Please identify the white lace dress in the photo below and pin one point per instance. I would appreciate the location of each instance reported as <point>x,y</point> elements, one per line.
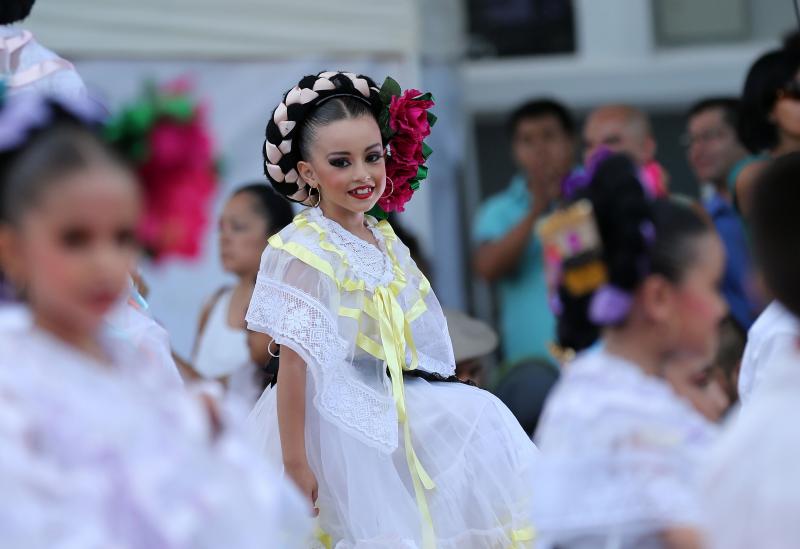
<point>751,487</point>
<point>119,456</point>
<point>621,456</point>
<point>771,339</point>
<point>401,463</point>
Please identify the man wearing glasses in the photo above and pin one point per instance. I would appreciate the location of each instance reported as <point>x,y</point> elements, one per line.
<point>713,150</point>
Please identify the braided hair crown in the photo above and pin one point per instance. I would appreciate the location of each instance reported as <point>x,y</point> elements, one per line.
<point>281,144</point>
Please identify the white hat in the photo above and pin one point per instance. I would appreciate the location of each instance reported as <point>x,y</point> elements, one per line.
<point>471,337</point>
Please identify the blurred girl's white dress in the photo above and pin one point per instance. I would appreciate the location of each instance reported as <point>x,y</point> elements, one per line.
<point>752,483</point>
<point>401,463</point>
<point>101,456</point>
<point>771,339</point>
<point>621,458</point>
<point>222,352</point>
<point>29,67</point>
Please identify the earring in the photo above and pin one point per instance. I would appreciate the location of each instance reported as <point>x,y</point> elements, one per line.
<point>389,179</point>
<point>319,198</point>
<point>269,349</point>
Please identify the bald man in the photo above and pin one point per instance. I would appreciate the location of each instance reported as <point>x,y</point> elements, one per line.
<point>625,129</point>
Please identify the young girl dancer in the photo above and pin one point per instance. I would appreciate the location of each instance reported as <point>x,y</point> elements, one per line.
<point>752,485</point>
<point>250,217</point>
<point>99,448</point>
<point>361,419</point>
<point>620,449</point>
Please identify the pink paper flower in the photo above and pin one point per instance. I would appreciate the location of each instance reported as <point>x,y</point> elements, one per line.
<point>177,214</point>
<point>179,177</point>
<point>178,145</point>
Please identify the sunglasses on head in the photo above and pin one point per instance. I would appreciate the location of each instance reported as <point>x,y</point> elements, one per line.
<point>791,90</point>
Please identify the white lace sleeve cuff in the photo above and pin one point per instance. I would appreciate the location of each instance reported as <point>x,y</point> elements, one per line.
<point>294,318</point>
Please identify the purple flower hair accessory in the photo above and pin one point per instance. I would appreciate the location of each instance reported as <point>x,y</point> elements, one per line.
<point>556,306</point>
<point>648,231</point>
<point>18,115</point>
<point>610,305</point>
<point>24,112</point>
<point>580,179</point>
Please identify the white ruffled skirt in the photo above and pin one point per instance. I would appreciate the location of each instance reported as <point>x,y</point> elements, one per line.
<point>468,442</point>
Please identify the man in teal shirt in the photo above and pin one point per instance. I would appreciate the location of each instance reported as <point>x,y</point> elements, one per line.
<point>508,254</point>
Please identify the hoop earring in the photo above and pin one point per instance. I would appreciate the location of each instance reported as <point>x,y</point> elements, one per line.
<point>389,179</point>
<point>319,198</point>
<point>269,349</point>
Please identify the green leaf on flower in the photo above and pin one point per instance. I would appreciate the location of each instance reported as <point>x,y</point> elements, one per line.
<point>378,213</point>
<point>426,150</point>
<point>383,124</point>
<point>140,117</point>
<point>220,165</point>
<point>428,96</point>
<point>431,118</point>
<point>389,89</point>
<point>139,151</point>
<point>114,129</point>
<point>179,107</point>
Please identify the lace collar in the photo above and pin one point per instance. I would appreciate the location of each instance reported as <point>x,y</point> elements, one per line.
<point>369,263</point>
<point>600,380</point>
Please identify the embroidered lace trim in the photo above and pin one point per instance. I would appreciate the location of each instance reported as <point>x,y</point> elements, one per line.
<point>295,318</point>
<point>288,313</point>
<point>370,264</point>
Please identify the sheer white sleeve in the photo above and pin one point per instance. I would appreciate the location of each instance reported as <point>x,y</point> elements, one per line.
<point>429,329</point>
<point>294,304</point>
<point>620,453</point>
<point>299,306</point>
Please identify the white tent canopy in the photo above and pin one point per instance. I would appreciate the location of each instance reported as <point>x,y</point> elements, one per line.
<point>233,29</point>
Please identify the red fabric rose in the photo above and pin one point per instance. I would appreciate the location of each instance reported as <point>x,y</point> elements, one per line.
<point>396,201</point>
<point>408,119</point>
<point>399,191</point>
<point>407,149</point>
<point>409,116</point>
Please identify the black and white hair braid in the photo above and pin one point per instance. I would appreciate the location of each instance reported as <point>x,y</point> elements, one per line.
<point>281,145</point>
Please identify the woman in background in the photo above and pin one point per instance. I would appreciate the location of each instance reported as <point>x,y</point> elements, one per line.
<point>252,214</point>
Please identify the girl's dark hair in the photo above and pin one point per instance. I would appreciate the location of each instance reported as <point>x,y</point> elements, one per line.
<point>275,209</point>
<point>14,11</point>
<point>771,72</point>
<point>316,101</point>
<point>776,228</point>
<point>64,145</point>
<point>640,237</point>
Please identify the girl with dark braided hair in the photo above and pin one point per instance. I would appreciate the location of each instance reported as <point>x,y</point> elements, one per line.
<point>367,416</point>
<point>621,451</point>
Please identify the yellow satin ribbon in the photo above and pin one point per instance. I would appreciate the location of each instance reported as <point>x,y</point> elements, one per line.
<point>323,538</point>
<point>396,338</point>
<point>518,537</point>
